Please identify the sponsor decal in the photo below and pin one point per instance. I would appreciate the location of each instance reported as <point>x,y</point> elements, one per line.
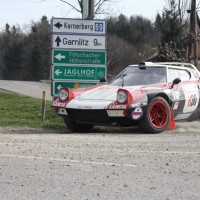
<point>84,107</point>
<point>135,105</point>
<point>176,95</point>
<point>191,93</point>
<point>115,106</point>
<point>192,100</point>
<point>58,104</point>
<point>175,105</point>
<point>137,113</point>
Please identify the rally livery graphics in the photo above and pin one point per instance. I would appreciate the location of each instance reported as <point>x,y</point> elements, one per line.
<point>149,95</point>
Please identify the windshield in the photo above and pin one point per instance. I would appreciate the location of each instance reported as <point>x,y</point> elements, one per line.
<point>135,75</point>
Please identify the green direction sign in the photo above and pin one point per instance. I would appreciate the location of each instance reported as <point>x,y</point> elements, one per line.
<point>79,57</point>
<point>59,84</point>
<point>78,73</point>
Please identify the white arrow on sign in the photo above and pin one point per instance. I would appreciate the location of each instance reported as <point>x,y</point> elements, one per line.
<point>59,56</point>
<point>58,72</point>
<point>59,87</point>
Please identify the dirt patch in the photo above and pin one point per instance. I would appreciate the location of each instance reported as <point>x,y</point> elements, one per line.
<point>5,91</point>
<point>28,130</point>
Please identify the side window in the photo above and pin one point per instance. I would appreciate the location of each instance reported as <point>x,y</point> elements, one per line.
<point>185,75</point>
<point>178,73</point>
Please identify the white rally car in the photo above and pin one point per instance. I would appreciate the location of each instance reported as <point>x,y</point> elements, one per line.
<point>149,95</point>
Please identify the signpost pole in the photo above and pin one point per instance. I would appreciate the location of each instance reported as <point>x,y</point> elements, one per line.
<point>88,9</point>
<point>78,50</point>
<point>43,105</point>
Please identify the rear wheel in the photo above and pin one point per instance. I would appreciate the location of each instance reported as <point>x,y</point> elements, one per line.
<point>157,116</point>
<point>77,127</point>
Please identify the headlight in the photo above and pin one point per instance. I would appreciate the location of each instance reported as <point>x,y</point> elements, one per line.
<point>121,96</point>
<point>63,95</point>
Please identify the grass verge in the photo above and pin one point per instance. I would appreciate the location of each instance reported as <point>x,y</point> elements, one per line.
<point>19,110</point>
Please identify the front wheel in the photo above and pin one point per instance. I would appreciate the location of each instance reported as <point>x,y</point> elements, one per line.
<point>77,127</point>
<point>157,116</point>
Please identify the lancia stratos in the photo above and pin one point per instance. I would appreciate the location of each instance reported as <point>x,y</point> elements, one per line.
<point>152,96</point>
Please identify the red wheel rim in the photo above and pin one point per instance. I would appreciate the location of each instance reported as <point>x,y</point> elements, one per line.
<point>158,114</point>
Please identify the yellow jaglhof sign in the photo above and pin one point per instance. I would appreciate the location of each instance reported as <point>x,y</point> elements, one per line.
<point>76,85</point>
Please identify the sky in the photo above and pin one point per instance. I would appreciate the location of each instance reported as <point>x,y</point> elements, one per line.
<point>22,12</point>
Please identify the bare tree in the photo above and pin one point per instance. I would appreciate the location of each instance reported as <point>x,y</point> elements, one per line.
<point>182,6</point>
<point>120,55</point>
<point>100,6</point>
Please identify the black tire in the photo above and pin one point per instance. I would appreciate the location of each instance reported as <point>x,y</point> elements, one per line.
<point>157,116</point>
<point>78,127</point>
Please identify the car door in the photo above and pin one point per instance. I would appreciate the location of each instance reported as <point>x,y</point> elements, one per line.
<point>185,95</point>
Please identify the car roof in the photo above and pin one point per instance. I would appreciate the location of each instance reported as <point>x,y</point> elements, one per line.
<point>176,65</point>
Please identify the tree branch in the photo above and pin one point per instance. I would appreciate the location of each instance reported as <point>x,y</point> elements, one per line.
<point>72,6</point>
<point>98,6</point>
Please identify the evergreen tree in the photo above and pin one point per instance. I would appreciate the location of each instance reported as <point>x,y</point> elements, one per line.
<point>136,40</point>
<point>44,41</point>
<point>35,60</point>
<point>11,45</point>
<point>37,51</point>
<point>173,38</point>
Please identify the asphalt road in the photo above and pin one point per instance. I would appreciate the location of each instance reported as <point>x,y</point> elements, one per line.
<point>109,164</point>
<point>28,88</point>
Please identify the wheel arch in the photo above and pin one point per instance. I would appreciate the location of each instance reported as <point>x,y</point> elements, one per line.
<point>160,94</point>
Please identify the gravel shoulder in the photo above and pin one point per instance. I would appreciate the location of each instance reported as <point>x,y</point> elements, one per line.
<point>114,164</point>
<point>181,127</point>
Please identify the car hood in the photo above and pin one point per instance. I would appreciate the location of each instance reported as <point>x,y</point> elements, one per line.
<point>107,93</point>
<point>98,98</point>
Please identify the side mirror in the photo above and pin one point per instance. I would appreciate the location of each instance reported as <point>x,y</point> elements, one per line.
<point>102,80</point>
<point>175,82</point>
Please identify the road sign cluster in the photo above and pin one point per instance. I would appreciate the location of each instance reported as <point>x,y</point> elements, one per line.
<point>78,52</point>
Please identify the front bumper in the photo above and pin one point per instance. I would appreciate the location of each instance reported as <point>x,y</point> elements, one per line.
<point>101,112</point>
<point>100,116</point>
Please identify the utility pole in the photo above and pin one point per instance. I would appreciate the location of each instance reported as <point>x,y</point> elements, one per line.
<point>88,9</point>
<point>193,40</point>
<point>196,54</point>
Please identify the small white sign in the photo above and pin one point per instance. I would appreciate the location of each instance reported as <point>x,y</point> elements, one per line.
<point>78,26</point>
<point>79,42</point>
